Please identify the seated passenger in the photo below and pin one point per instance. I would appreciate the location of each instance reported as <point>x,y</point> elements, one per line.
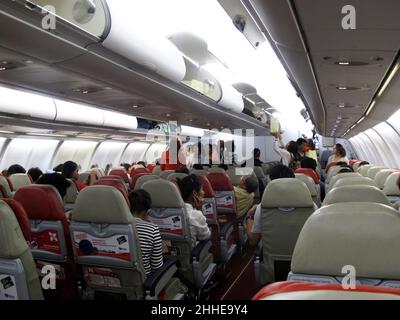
<point>35,174</point>
<point>173,158</point>
<point>148,233</point>
<point>193,195</point>
<point>59,168</point>
<point>14,169</point>
<point>244,194</point>
<point>126,166</point>
<point>253,226</point>
<point>70,171</point>
<point>338,154</point>
<point>310,163</point>
<point>56,180</point>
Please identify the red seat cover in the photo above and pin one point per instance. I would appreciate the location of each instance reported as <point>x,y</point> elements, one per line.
<point>139,170</point>
<point>121,173</point>
<point>220,181</point>
<point>309,172</point>
<point>207,187</point>
<point>295,286</point>
<point>3,192</point>
<point>21,216</point>
<point>41,202</point>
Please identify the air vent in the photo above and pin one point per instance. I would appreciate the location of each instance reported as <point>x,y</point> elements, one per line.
<point>347,106</point>
<point>347,88</point>
<point>88,90</point>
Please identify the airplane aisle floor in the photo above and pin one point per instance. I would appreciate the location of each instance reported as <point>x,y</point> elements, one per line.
<point>241,283</point>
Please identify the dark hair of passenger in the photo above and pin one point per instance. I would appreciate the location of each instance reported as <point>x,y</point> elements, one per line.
<point>56,180</point>
<point>308,163</point>
<point>341,164</point>
<point>58,168</point>
<point>256,153</point>
<point>188,185</point>
<point>281,171</point>
<point>198,166</point>
<point>35,173</point>
<point>301,141</point>
<point>251,184</point>
<point>363,163</point>
<point>94,166</point>
<point>68,169</point>
<point>15,168</point>
<point>126,166</point>
<point>340,150</point>
<point>140,201</point>
<point>142,163</point>
<point>292,147</point>
<point>398,182</point>
<point>223,166</point>
<point>346,169</point>
<point>311,144</point>
<point>182,170</point>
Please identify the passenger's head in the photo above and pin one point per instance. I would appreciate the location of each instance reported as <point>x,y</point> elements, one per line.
<point>142,163</point>
<point>398,182</point>
<point>94,166</point>
<point>301,144</point>
<point>256,153</point>
<point>58,168</point>
<point>363,163</point>
<point>191,190</point>
<point>14,169</point>
<point>126,166</point>
<point>35,173</point>
<point>223,166</point>
<point>308,163</point>
<point>140,201</point>
<point>250,184</point>
<point>281,171</point>
<point>292,147</point>
<point>198,166</point>
<point>346,169</point>
<point>70,170</point>
<point>56,180</point>
<point>341,164</point>
<point>310,143</point>
<point>338,150</point>
<point>182,170</point>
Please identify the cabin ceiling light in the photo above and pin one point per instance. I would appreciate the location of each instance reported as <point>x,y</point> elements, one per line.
<point>371,106</point>
<point>391,76</point>
<point>342,88</point>
<point>344,63</point>
<point>7,132</point>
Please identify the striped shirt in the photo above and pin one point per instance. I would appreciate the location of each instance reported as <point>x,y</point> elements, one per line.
<point>150,245</point>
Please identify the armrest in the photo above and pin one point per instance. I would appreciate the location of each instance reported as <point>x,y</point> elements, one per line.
<point>199,250</point>
<point>225,229</point>
<point>153,279</point>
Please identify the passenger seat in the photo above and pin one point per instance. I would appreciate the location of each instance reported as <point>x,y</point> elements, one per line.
<point>285,206</point>
<point>364,236</point>
<point>106,245</point>
<point>19,180</point>
<point>355,193</point>
<point>169,213</point>
<point>391,189</point>
<point>18,274</point>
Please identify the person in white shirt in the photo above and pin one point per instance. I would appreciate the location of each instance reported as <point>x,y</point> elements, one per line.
<point>193,195</point>
<point>338,154</point>
<point>289,154</point>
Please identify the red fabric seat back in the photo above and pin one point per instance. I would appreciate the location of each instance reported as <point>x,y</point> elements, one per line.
<point>151,166</point>
<point>136,176</point>
<point>42,202</point>
<point>139,170</point>
<point>309,172</point>
<point>297,286</point>
<point>121,173</point>
<point>207,187</point>
<point>116,184</point>
<point>3,192</point>
<point>220,181</point>
<point>21,216</point>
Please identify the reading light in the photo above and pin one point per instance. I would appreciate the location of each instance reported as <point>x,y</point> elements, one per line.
<point>344,63</point>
